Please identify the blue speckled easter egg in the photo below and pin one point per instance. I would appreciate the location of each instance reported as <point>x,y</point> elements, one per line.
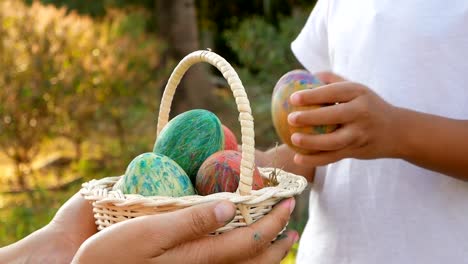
<point>151,174</point>
<point>190,138</point>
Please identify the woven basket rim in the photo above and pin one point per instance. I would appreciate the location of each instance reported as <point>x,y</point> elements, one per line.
<point>100,191</point>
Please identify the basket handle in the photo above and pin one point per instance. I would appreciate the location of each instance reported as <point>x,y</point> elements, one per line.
<point>243,106</point>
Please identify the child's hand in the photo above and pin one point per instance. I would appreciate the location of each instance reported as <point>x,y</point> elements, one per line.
<point>366,122</point>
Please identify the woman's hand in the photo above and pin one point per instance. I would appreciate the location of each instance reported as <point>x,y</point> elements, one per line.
<point>180,237</point>
<point>58,241</point>
<point>176,237</point>
<point>365,122</point>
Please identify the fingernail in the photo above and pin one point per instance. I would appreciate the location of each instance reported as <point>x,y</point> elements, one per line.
<point>295,98</point>
<point>295,236</point>
<point>292,118</point>
<point>289,203</point>
<point>302,160</point>
<point>224,212</point>
<point>292,204</point>
<point>295,138</point>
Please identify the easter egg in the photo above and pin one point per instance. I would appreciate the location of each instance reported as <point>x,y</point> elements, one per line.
<point>190,138</point>
<point>289,83</point>
<point>230,140</point>
<point>151,174</point>
<point>118,184</point>
<point>221,173</point>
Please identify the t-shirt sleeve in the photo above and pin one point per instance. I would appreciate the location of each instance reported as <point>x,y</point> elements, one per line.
<point>311,45</point>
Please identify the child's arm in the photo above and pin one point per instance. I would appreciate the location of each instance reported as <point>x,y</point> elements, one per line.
<point>434,142</point>
<point>372,128</point>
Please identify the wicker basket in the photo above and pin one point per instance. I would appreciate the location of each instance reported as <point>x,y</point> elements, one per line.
<point>111,207</point>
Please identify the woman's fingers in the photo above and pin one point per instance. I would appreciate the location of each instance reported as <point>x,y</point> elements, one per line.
<point>236,245</point>
<point>181,237</point>
<point>278,250</point>
<point>172,229</point>
<point>75,220</point>
<point>164,231</point>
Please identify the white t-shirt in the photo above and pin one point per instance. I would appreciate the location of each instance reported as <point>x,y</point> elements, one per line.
<point>414,54</point>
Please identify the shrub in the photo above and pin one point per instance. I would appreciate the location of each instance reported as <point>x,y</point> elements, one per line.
<point>264,55</point>
<point>68,75</point>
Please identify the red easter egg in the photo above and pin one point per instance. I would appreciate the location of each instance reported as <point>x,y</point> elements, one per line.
<point>221,173</point>
<point>289,83</point>
<point>230,140</point>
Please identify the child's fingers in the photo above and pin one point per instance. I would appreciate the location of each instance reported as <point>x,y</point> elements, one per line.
<point>328,94</point>
<point>328,115</point>
<point>339,139</point>
<point>329,77</point>
<point>321,158</point>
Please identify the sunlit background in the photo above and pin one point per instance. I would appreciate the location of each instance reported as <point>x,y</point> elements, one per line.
<point>80,83</point>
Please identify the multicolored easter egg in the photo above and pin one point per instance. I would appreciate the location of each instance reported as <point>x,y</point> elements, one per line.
<point>151,174</point>
<point>221,173</point>
<point>289,83</point>
<point>190,138</point>
<point>230,140</point>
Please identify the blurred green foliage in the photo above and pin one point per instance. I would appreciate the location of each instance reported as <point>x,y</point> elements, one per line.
<point>67,75</point>
<point>264,55</point>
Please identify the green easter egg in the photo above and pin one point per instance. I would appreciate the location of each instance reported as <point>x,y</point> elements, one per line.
<point>151,174</point>
<point>190,138</point>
